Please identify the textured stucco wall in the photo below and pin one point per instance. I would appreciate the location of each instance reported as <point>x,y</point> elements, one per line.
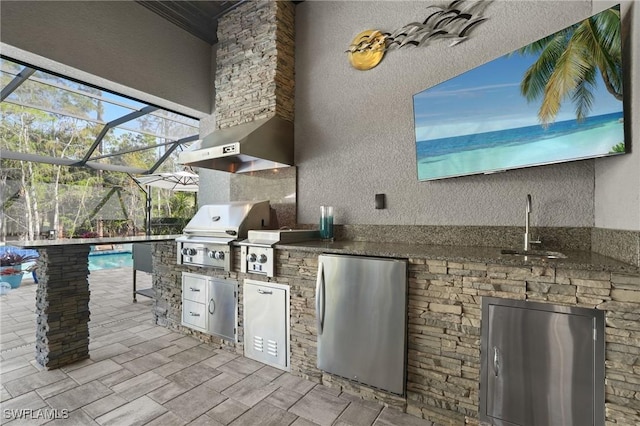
<point>118,41</point>
<point>354,129</point>
<point>617,183</point>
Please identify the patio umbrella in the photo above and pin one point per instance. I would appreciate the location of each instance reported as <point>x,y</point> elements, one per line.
<point>176,181</point>
<point>173,181</point>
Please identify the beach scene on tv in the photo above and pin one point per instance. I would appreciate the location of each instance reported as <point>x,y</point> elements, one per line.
<point>557,99</point>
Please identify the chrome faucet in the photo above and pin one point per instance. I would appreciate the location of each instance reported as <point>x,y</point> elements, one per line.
<point>527,237</point>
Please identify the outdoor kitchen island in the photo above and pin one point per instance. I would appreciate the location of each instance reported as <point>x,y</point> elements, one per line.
<point>62,296</point>
<point>446,286</point>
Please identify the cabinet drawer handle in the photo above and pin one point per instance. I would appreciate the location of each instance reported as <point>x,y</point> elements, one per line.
<point>193,314</point>
<point>264,291</point>
<point>194,289</point>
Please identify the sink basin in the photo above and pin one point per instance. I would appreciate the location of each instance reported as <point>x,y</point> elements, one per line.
<point>535,253</point>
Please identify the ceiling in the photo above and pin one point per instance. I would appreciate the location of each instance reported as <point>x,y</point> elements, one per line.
<point>198,17</point>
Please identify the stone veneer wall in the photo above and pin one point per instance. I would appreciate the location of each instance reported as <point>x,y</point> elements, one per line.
<point>255,63</point>
<point>62,306</point>
<point>167,283</point>
<point>255,78</point>
<point>444,312</point>
<point>444,331</point>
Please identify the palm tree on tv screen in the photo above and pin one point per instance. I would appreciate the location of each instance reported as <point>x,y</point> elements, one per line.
<point>569,62</point>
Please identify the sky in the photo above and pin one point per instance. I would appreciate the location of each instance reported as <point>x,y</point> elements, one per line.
<point>488,98</point>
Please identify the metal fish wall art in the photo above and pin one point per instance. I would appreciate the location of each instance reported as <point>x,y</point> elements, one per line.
<point>455,21</point>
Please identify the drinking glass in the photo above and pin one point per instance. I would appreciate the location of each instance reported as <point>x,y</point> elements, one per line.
<point>326,223</point>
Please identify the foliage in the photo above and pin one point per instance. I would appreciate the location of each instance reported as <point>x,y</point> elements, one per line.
<point>10,258</point>
<point>63,124</point>
<point>619,147</point>
<point>569,62</point>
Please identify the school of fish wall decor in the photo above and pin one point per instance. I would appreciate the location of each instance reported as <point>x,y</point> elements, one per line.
<point>455,22</point>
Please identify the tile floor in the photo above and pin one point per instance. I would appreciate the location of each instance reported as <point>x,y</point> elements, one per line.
<point>142,374</point>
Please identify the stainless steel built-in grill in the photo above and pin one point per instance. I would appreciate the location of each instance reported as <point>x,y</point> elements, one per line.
<point>257,252</point>
<point>208,235</point>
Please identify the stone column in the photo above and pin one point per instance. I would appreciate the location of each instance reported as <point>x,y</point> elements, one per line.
<point>62,305</point>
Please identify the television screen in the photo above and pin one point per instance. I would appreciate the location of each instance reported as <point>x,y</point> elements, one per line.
<point>557,99</point>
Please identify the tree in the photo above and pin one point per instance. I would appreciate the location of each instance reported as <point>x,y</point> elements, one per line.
<point>54,117</point>
<point>569,62</point>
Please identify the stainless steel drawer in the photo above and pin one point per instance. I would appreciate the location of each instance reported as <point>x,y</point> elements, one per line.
<point>194,287</point>
<point>194,315</point>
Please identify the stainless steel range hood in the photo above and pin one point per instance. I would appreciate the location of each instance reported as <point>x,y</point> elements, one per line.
<point>259,145</point>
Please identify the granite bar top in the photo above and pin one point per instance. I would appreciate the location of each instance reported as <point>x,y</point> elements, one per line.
<point>575,259</point>
<point>91,241</point>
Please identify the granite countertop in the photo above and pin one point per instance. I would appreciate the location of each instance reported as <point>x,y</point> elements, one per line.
<point>92,241</point>
<point>575,259</point>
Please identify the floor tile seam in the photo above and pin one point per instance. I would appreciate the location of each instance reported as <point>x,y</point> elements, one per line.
<point>278,408</point>
<point>108,323</point>
<point>237,402</point>
<point>131,349</point>
<point>160,366</point>
<point>172,398</point>
<point>131,402</point>
<point>94,418</point>
<point>226,398</point>
<point>4,351</point>
<point>378,416</point>
<point>343,410</point>
<point>6,334</point>
<point>67,377</point>
<point>83,405</point>
<point>124,392</point>
<point>129,360</point>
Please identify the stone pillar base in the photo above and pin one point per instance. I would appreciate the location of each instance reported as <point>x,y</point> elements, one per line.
<point>62,306</point>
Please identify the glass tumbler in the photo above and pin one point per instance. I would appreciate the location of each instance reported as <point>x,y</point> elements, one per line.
<point>326,223</point>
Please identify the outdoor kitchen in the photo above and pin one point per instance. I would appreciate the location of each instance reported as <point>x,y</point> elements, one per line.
<point>446,285</point>
<point>324,268</point>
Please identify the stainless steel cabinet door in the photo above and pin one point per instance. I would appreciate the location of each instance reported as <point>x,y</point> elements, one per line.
<point>538,366</point>
<point>222,307</point>
<point>265,323</point>
<point>361,308</point>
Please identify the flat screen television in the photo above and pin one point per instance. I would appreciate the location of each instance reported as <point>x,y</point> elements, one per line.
<point>542,104</point>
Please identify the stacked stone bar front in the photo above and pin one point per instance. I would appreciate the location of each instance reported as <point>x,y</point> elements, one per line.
<point>444,312</point>
<point>62,306</point>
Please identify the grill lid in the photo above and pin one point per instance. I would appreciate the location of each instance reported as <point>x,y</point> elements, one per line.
<point>228,221</point>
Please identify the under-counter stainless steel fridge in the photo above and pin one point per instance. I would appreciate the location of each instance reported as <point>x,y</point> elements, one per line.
<point>361,311</point>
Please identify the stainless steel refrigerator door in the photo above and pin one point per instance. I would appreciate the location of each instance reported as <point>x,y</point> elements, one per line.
<point>539,366</point>
<point>361,308</point>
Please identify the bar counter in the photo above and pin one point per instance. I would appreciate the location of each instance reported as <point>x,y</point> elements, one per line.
<point>62,296</point>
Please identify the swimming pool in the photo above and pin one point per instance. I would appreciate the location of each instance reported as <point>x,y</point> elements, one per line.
<point>110,260</point>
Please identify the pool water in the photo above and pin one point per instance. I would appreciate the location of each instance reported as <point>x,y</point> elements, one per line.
<point>110,260</point>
